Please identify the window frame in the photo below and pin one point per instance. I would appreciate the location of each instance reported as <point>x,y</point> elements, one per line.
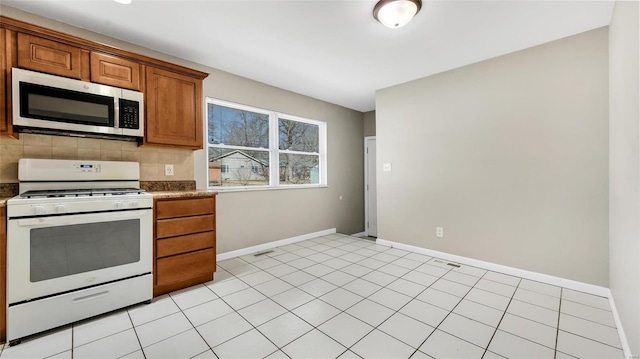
<point>273,149</point>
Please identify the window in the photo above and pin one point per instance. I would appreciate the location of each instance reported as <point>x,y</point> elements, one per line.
<point>299,152</point>
<point>251,147</point>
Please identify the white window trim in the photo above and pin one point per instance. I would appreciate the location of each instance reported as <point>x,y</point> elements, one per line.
<point>274,150</point>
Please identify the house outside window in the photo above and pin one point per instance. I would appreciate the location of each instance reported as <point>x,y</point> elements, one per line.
<point>252,147</point>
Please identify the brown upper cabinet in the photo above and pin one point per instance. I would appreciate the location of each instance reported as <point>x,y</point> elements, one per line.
<point>173,93</point>
<point>3,83</point>
<point>52,57</point>
<point>7,61</point>
<point>173,109</point>
<point>115,71</point>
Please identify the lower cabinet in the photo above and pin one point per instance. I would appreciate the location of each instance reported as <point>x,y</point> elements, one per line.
<point>184,242</point>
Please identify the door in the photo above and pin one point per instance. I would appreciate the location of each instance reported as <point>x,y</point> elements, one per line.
<point>371,202</point>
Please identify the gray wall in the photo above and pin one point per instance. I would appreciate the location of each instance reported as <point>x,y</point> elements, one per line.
<point>369,123</point>
<point>509,155</point>
<point>624,157</point>
<point>251,218</point>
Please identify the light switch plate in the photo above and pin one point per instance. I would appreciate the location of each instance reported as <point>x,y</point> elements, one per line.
<point>386,167</point>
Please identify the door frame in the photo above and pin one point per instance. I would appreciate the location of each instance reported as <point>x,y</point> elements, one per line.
<point>366,181</point>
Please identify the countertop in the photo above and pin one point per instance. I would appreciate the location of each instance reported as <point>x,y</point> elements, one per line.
<point>182,194</point>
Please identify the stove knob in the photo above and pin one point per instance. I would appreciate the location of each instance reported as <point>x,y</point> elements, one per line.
<point>60,208</point>
<point>118,204</point>
<point>134,203</point>
<point>38,209</point>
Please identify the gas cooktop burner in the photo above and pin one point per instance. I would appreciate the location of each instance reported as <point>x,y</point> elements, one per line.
<point>82,192</point>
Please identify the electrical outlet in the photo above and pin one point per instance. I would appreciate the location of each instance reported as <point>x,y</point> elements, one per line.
<point>386,167</point>
<point>168,170</point>
<point>439,232</point>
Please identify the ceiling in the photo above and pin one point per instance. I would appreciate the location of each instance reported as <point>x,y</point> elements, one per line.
<point>330,50</point>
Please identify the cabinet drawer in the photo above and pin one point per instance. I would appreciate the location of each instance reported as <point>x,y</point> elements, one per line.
<point>187,225</point>
<point>48,56</point>
<point>114,71</point>
<point>183,244</point>
<point>184,207</point>
<point>185,266</point>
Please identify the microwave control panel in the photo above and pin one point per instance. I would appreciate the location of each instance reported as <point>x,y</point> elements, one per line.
<point>129,114</point>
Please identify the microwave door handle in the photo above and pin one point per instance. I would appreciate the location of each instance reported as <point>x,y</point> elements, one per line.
<point>116,112</point>
<point>57,221</point>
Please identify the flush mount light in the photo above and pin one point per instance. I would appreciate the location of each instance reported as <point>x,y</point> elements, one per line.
<point>126,2</point>
<point>396,13</point>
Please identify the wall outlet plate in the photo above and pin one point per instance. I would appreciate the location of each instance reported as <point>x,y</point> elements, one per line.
<point>168,170</point>
<point>440,232</point>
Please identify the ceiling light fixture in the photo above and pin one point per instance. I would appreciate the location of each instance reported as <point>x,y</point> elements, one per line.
<point>396,13</point>
<point>126,2</point>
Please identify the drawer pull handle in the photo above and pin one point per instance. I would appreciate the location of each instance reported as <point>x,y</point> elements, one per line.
<point>90,297</point>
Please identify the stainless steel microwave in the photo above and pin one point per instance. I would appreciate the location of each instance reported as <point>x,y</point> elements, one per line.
<point>47,103</point>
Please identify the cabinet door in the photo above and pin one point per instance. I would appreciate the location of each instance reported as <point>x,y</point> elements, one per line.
<point>3,83</point>
<point>115,71</point>
<point>8,52</point>
<point>173,109</point>
<point>48,56</point>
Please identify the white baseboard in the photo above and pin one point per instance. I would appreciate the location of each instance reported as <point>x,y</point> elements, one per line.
<point>623,337</point>
<point>359,234</point>
<point>270,245</point>
<point>544,278</point>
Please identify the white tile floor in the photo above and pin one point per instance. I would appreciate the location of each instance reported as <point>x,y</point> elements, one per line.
<point>340,296</point>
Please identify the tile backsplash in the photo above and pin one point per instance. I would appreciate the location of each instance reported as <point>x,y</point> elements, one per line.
<point>152,159</point>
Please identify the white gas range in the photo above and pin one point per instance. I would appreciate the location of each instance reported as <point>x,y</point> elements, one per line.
<point>79,243</point>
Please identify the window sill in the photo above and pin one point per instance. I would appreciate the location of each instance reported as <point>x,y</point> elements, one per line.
<point>253,189</point>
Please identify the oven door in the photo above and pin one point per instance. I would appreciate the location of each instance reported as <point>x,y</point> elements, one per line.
<point>56,254</point>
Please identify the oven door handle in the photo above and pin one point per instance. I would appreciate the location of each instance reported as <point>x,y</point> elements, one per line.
<point>55,221</point>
